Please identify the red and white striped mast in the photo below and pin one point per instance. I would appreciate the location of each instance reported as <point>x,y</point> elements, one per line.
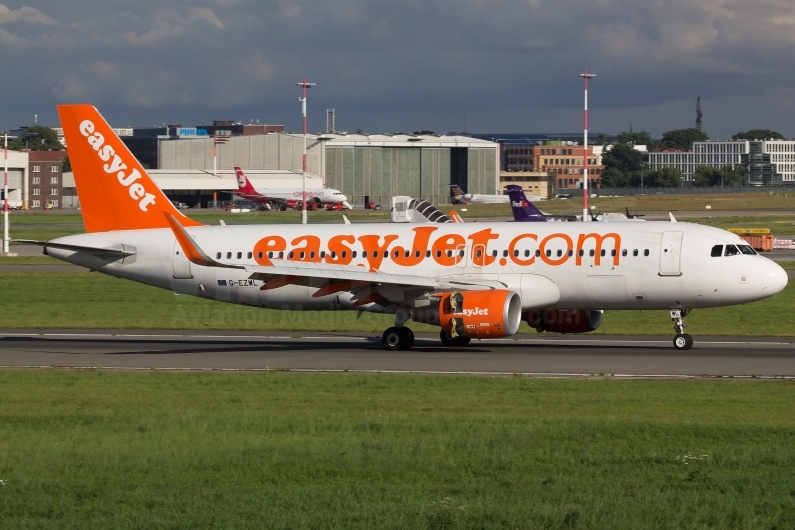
<point>585,214</point>
<point>5,196</point>
<point>304,85</point>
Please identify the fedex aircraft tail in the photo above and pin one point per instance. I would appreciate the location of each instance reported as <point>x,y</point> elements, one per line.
<point>523,210</point>
<point>243,184</point>
<point>114,190</point>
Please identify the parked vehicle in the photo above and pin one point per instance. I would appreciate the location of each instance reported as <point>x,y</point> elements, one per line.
<point>337,206</point>
<point>370,205</point>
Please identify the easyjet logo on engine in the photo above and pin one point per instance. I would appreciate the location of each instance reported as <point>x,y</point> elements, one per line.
<point>475,311</point>
<point>116,166</point>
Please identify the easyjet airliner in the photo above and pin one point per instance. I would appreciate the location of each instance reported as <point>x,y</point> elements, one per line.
<point>246,190</point>
<point>473,280</point>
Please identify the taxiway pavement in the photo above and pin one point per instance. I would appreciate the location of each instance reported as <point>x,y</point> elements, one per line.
<point>550,355</point>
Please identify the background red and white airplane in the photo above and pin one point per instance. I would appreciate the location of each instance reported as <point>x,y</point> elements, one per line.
<point>245,190</point>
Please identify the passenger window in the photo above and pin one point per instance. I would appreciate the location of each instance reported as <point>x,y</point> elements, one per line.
<point>494,253</point>
<point>571,252</point>
<point>228,255</point>
<point>249,255</point>
<point>504,253</point>
<point>526,253</point>
<point>386,254</point>
<point>239,255</point>
<point>646,252</point>
<point>478,253</point>
<point>635,252</point>
<point>217,255</point>
<point>344,253</point>
<point>538,253</point>
<point>582,253</point>
<point>560,253</point>
<point>613,252</point>
<point>731,250</point>
<point>449,253</point>
<point>259,255</point>
<point>291,254</point>
<point>333,254</point>
<point>461,253</point>
<point>301,256</point>
<point>591,252</point>
<point>322,253</point>
<point>364,253</point>
<point>353,253</point>
<point>602,252</point>
<point>406,254</point>
<point>312,255</point>
<point>417,254</point>
<point>515,253</point>
<point>427,253</point>
<point>717,251</point>
<point>747,249</point>
<point>624,252</point>
<point>396,253</point>
<point>281,255</point>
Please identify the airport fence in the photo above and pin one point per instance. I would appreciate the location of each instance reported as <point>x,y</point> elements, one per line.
<point>680,191</point>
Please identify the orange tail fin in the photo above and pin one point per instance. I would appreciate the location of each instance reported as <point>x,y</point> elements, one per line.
<point>114,190</point>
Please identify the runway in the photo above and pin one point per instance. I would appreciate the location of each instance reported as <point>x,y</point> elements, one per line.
<point>536,355</point>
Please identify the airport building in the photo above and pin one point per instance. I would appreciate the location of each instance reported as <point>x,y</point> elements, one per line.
<point>18,171</point>
<point>534,183</point>
<point>761,162</point>
<point>564,162</point>
<point>359,165</point>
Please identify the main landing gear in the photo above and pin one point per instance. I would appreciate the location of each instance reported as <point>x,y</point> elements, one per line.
<point>397,338</point>
<point>682,341</point>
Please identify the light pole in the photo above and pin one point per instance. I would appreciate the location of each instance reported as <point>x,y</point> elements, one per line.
<point>5,196</point>
<point>217,139</point>
<point>585,214</point>
<point>304,85</point>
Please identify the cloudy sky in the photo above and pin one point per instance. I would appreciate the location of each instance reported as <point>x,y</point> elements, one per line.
<point>406,65</point>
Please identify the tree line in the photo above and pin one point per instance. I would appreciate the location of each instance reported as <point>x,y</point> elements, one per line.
<point>624,168</point>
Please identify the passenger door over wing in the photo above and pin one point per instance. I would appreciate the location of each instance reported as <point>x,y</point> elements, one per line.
<point>670,253</point>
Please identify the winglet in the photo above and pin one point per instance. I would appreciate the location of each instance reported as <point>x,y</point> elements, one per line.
<point>345,219</point>
<point>455,217</point>
<point>191,249</point>
<point>673,220</point>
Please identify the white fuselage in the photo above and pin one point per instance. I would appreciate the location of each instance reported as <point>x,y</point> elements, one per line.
<point>657,265</point>
<point>322,195</point>
<point>480,198</point>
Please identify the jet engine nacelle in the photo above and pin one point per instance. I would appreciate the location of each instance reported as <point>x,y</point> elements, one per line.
<point>564,320</point>
<point>474,314</point>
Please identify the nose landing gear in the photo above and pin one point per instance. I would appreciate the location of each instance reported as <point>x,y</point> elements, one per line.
<point>682,341</point>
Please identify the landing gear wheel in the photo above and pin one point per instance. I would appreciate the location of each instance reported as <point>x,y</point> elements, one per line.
<point>409,336</point>
<point>397,339</point>
<point>449,341</point>
<point>683,341</point>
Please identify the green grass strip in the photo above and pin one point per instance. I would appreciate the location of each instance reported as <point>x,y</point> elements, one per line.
<point>91,300</point>
<point>284,451</point>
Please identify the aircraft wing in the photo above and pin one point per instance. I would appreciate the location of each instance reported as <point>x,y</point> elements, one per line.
<point>100,251</point>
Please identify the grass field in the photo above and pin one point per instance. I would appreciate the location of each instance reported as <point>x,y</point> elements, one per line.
<point>286,451</point>
<point>91,300</point>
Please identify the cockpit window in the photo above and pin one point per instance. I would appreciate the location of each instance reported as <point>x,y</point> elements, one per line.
<point>717,251</point>
<point>747,249</point>
<point>731,250</point>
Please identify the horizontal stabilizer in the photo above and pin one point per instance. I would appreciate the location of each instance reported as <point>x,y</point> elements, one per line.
<point>79,248</point>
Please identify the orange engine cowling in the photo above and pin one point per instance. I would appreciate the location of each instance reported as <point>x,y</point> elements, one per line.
<point>564,320</point>
<point>479,314</point>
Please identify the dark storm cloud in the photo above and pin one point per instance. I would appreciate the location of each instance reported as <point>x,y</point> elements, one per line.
<point>389,66</point>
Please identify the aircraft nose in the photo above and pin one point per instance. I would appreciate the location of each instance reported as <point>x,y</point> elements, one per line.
<point>774,278</point>
<point>342,198</point>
